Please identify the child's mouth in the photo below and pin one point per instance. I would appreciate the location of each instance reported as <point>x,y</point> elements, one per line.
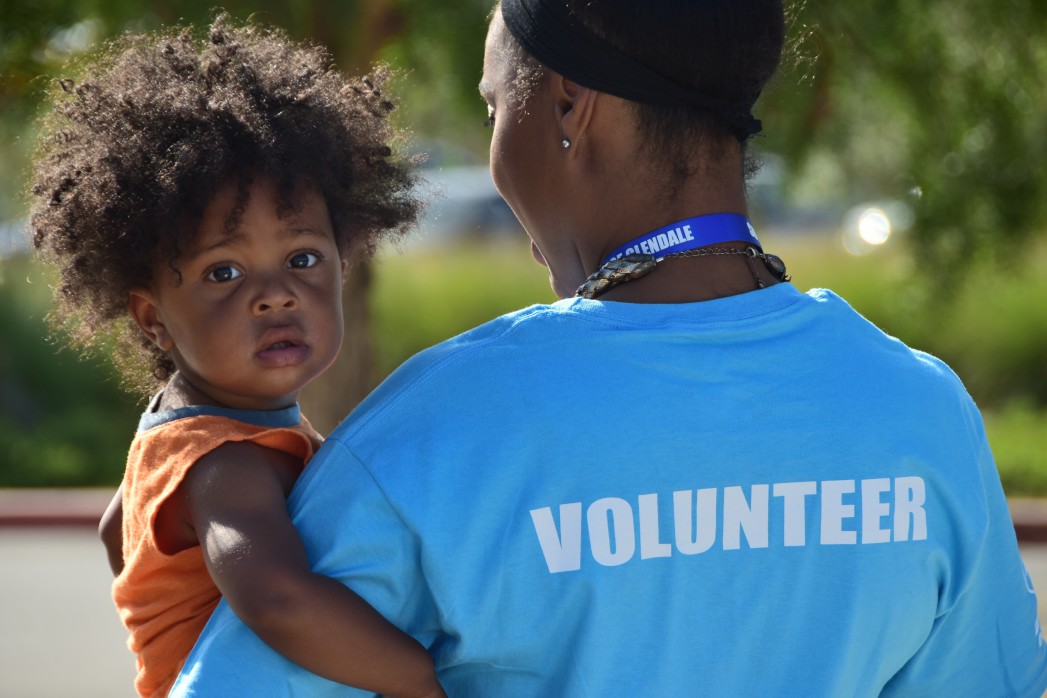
<point>281,354</point>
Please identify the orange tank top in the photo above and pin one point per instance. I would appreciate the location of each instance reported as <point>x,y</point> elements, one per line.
<point>165,600</point>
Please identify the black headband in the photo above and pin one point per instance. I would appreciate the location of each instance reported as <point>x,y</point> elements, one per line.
<point>552,34</point>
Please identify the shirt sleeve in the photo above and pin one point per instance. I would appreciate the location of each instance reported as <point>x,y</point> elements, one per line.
<point>350,532</point>
<point>989,642</point>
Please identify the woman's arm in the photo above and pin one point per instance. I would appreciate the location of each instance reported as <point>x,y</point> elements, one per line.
<point>235,499</point>
<point>111,531</point>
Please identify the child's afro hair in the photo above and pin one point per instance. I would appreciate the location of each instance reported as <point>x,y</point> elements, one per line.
<point>130,156</point>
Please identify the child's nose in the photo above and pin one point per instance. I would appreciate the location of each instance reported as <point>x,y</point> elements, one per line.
<point>272,297</point>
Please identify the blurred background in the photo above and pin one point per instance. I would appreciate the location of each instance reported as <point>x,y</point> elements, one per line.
<point>901,168</point>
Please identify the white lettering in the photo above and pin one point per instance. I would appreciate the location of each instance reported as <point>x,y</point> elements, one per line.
<point>695,533</point>
<point>834,511</point>
<point>891,510</point>
<point>674,239</point>
<point>563,551</point>
<point>663,241</point>
<point>600,530</point>
<point>646,247</point>
<point>794,499</point>
<point>650,545</point>
<point>909,498</point>
<point>688,235</point>
<point>874,509</point>
<point>739,515</point>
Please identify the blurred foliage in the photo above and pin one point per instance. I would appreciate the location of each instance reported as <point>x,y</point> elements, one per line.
<point>1019,443</point>
<point>63,420</point>
<point>942,103</point>
<point>440,54</point>
<point>423,298</point>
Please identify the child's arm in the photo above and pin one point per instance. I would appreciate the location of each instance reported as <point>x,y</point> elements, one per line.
<point>111,531</point>
<point>235,502</point>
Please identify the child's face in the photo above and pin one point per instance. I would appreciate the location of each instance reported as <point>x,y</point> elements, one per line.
<point>257,312</point>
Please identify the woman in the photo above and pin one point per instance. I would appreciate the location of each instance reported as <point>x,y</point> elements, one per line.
<point>687,479</point>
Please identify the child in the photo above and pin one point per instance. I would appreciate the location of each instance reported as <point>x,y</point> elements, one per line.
<point>200,201</point>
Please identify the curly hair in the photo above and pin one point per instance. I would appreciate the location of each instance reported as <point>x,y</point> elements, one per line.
<point>130,156</point>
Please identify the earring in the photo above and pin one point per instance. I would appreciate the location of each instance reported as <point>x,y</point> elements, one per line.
<point>566,143</point>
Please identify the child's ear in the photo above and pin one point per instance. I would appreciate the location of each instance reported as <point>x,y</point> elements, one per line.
<point>145,310</point>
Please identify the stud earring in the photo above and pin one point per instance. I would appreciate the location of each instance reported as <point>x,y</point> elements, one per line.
<point>566,143</point>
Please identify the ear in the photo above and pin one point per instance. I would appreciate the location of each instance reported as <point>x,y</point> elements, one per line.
<point>145,310</point>
<point>575,105</point>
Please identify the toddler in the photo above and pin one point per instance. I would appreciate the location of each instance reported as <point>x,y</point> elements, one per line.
<point>200,199</point>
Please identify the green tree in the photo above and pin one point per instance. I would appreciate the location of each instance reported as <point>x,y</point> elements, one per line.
<point>944,102</point>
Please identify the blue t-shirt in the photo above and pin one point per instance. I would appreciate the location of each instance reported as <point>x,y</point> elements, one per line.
<point>757,495</point>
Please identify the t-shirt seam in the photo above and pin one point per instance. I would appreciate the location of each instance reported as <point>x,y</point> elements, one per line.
<point>740,319</point>
<point>377,483</point>
<point>983,540</point>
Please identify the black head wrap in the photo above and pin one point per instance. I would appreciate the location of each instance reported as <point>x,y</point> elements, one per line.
<point>553,35</point>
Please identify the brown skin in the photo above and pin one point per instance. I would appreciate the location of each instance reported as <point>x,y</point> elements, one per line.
<point>250,317</point>
<point>236,511</point>
<point>580,203</point>
<point>235,295</point>
<point>232,503</point>
<point>110,530</point>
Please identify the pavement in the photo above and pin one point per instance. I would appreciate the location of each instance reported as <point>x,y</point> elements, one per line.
<point>60,635</point>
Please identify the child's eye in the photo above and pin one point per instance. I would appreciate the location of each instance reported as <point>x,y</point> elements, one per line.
<point>303,260</point>
<point>224,273</point>
<point>490,118</point>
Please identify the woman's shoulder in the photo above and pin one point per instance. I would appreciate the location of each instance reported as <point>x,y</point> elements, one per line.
<point>458,362</point>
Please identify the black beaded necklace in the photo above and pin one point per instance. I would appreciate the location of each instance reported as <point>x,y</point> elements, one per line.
<point>638,265</point>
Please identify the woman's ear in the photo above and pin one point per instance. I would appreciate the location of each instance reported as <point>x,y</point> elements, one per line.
<point>145,310</point>
<point>574,107</point>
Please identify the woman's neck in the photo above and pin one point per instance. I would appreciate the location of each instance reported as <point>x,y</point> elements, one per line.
<point>639,210</point>
<point>625,202</point>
